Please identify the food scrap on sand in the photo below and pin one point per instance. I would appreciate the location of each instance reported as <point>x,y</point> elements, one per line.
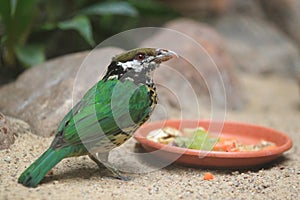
<point>208,176</point>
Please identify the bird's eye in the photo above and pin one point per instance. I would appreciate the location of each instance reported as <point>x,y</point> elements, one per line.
<point>140,56</point>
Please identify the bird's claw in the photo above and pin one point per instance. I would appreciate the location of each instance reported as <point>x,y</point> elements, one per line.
<point>124,178</point>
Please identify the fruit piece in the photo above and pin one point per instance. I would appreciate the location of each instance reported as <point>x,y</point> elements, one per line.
<point>208,176</point>
<point>225,145</point>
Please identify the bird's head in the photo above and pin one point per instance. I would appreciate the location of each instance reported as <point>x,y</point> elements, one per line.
<point>137,64</point>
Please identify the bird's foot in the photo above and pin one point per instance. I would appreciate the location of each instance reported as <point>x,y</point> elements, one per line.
<point>116,172</point>
<point>103,161</point>
<point>124,178</point>
<point>119,175</point>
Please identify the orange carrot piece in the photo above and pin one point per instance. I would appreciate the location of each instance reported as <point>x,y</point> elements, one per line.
<point>269,147</point>
<point>225,145</point>
<point>208,176</point>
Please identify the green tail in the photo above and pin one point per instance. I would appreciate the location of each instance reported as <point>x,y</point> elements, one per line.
<point>37,170</point>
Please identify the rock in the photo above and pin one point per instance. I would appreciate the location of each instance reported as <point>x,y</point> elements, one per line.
<point>298,80</point>
<point>6,135</point>
<point>7,159</point>
<point>258,47</point>
<point>194,75</point>
<point>18,126</point>
<point>43,94</point>
<point>208,9</point>
<point>198,8</point>
<point>286,14</point>
<point>250,8</point>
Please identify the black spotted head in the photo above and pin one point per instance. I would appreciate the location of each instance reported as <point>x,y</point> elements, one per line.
<point>137,64</point>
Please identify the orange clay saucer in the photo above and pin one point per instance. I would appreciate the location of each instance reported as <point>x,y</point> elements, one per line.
<point>242,132</point>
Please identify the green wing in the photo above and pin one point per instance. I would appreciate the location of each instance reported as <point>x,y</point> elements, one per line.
<point>109,108</point>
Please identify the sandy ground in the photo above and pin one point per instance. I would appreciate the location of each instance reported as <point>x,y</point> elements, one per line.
<point>273,102</point>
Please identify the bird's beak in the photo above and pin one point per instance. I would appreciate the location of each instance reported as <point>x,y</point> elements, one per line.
<point>163,55</point>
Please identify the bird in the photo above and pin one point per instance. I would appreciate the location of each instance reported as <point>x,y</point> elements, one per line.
<point>106,116</point>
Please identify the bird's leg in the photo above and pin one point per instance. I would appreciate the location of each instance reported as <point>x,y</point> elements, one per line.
<point>100,165</point>
<point>102,160</point>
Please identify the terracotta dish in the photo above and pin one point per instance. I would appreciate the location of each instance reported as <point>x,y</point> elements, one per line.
<point>243,132</point>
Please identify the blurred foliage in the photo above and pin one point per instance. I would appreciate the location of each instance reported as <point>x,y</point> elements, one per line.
<point>34,30</point>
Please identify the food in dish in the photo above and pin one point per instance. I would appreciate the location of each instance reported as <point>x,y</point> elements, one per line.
<point>200,139</point>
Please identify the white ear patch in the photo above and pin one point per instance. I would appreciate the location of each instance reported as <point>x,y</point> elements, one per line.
<point>137,66</point>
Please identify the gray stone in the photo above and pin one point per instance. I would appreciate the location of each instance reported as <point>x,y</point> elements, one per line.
<point>204,69</point>
<point>199,8</point>
<point>6,135</point>
<point>258,47</point>
<point>18,126</point>
<point>286,14</point>
<point>251,8</point>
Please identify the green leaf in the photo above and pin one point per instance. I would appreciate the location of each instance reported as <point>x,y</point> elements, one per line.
<point>30,55</point>
<point>80,24</point>
<point>196,139</point>
<point>13,5</point>
<point>111,8</point>
<point>153,8</point>
<point>201,140</point>
<point>209,144</point>
<point>49,26</point>
<point>16,18</point>
<point>182,141</point>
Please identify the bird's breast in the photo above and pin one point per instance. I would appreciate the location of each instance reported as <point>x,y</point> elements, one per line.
<point>152,95</point>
